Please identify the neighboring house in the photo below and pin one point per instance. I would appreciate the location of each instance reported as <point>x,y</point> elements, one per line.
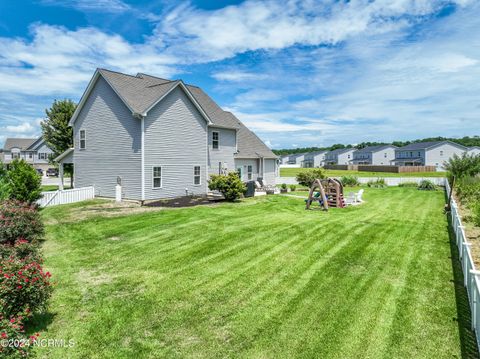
<point>427,153</point>
<point>475,150</point>
<point>33,150</point>
<point>282,160</point>
<point>341,156</point>
<point>159,138</point>
<point>296,159</point>
<point>374,155</point>
<point>314,159</point>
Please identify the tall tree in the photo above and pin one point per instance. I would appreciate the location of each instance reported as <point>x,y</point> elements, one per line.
<point>56,132</point>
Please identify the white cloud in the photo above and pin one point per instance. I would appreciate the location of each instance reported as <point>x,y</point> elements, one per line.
<point>253,25</point>
<point>23,128</point>
<point>238,76</point>
<point>91,5</point>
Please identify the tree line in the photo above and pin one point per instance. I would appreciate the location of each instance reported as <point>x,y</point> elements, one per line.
<point>465,141</point>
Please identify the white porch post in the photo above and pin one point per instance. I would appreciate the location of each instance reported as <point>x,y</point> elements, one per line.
<point>60,174</point>
<point>143,156</point>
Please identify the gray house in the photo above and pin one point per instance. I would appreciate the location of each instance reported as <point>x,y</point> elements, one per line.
<point>296,159</point>
<point>374,155</point>
<point>159,138</point>
<point>341,156</point>
<point>427,153</point>
<point>474,151</point>
<point>33,150</point>
<point>314,159</point>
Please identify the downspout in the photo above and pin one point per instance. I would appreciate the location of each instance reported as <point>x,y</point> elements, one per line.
<point>142,124</point>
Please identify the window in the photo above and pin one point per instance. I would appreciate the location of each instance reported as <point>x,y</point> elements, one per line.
<point>196,175</point>
<point>239,171</point>
<point>385,155</point>
<point>215,140</point>
<point>15,155</point>
<point>411,154</point>
<point>441,153</point>
<point>30,155</point>
<point>157,177</point>
<point>83,140</point>
<point>42,156</point>
<point>249,172</point>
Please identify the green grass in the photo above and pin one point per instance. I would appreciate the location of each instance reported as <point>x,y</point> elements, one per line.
<point>258,279</point>
<point>292,172</point>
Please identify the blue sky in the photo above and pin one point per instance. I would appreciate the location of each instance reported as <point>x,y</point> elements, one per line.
<point>298,73</point>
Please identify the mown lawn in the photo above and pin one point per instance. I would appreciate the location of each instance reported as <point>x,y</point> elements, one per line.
<point>259,279</point>
<point>292,172</point>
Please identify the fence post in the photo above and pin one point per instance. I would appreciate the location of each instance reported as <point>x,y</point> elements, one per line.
<point>474,273</point>
<point>465,263</point>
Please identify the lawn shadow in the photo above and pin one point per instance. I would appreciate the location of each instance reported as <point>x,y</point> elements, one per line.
<point>39,322</point>
<point>468,341</point>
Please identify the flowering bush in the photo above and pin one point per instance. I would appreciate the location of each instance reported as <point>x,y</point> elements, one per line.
<point>24,286</point>
<point>14,344</point>
<point>19,220</point>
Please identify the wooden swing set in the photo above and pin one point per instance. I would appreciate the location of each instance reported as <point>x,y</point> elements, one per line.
<point>328,192</point>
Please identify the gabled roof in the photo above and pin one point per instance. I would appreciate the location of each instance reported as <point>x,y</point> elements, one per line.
<point>375,148</point>
<point>428,145</point>
<point>339,151</point>
<point>39,142</point>
<point>21,143</point>
<point>142,92</point>
<point>316,153</point>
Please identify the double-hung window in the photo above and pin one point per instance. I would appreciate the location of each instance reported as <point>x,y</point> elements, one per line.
<point>215,140</point>
<point>196,175</point>
<point>83,140</point>
<point>157,177</point>
<point>249,172</point>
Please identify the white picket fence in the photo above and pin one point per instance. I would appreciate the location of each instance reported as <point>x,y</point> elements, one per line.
<point>55,198</point>
<point>390,181</point>
<point>470,274</point>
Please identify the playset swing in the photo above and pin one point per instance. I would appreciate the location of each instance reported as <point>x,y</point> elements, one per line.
<point>328,192</point>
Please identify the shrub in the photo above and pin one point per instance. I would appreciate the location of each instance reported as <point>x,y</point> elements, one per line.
<point>378,183</point>
<point>408,184</point>
<point>283,186</point>
<point>12,329</point>
<point>19,220</point>
<point>4,186</point>
<point>306,178</point>
<point>24,287</point>
<point>468,189</point>
<point>24,182</point>
<point>22,249</point>
<point>427,185</point>
<point>293,187</point>
<point>350,181</point>
<point>229,185</point>
<point>463,166</point>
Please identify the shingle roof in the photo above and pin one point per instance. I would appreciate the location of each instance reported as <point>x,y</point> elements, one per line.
<point>425,145</point>
<point>22,143</point>
<point>142,91</point>
<point>341,150</point>
<point>375,148</point>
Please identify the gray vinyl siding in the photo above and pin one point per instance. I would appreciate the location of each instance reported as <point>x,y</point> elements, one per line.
<point>344,158</point>
<point>225,151</point>
<point>383,157</point>
<point>42,149</point>
<point>436,156</point>
<point>113,145</point>
<point>269,173</point>
<point>176,140</point>
<point>243,163</point>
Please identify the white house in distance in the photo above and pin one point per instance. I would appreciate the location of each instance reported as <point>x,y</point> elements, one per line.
<point>33,150</point>
<point>474,151</point>
<point>374,155</point>
<point>341,156</point>
<point>158,138</point>
<point>427,153</point>
<point>314,159</point>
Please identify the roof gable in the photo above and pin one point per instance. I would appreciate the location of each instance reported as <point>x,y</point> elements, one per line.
<point>20,143</point>
<point>429,145</point>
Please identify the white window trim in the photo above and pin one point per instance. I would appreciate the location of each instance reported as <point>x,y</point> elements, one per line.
<point>249,173</point>
<point>153,177</point>
<point>80,139</point>
<point>199,175</point>
<point>218,140</point>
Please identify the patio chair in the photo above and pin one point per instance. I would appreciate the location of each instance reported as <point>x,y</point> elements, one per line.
<point>358,196</point>
<point>350,200</point>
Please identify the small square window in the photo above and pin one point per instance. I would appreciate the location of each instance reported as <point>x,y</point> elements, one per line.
<point>215,140</point>
<point>196,175</point>
<point>83,140</point>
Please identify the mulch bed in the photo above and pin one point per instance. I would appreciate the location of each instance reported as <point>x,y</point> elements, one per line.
<point>180,202</point>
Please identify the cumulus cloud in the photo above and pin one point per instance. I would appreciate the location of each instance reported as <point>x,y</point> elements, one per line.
<point>91,5</point>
